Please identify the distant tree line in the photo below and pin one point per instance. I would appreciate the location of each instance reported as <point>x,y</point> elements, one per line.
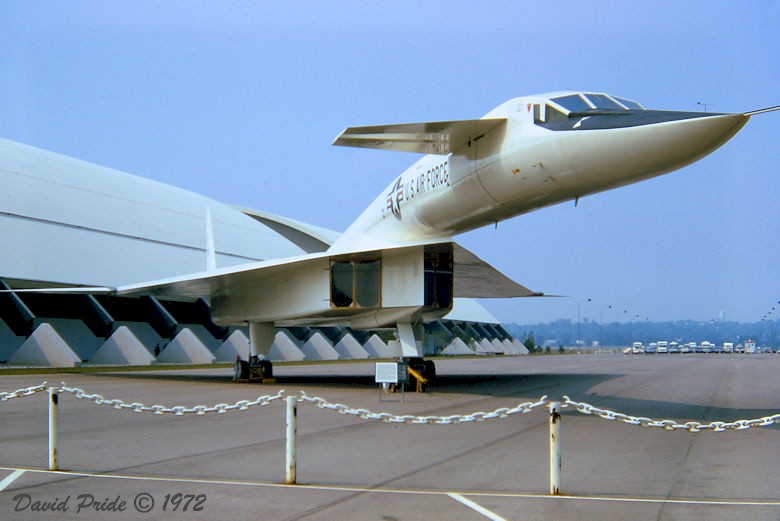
<point>564,332</point>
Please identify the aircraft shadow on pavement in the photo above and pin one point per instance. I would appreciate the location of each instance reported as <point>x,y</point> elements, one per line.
<point>679,411</point>
<point>530,386</point>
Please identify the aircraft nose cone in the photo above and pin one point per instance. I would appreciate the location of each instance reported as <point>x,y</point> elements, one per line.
<point>700,136</point>
<point>622,156</point>
<point>667,146</point>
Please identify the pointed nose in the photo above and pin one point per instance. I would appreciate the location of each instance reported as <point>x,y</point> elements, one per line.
<point>687,140</point>
<point>620,156</point>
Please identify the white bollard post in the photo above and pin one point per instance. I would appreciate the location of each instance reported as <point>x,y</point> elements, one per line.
<point>555,448</point>
<point>292,428</point>
<point>53,400</point>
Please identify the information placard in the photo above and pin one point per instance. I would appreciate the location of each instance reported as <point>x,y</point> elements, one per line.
<point>387,372</point>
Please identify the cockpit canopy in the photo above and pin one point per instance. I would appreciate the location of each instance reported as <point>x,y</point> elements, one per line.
<point>587,101</point>
<point>560,107</point>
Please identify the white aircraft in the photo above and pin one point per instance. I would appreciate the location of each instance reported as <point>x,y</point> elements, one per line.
<point>397,265</point>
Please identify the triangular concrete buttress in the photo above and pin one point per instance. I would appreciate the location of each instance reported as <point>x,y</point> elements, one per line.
<point>45,347</point>
<point>349,348</point>
<point>185,348</point>
<point>122,348</point>
<point>285,348</point>
<point>236,345</point>
<point>318,347</point>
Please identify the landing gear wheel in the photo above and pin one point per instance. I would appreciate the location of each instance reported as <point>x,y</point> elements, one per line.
<point>240,370</point>
<point>266,369</point>
<point>260,369</point>
<point>414,361</point>
<point>430,370</point>
<point>425,368</point>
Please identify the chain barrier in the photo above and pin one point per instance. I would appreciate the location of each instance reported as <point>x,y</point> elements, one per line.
<point>20,393</point>
<point>670,425</point>
<point>178,410</point>
<point>455,419</point>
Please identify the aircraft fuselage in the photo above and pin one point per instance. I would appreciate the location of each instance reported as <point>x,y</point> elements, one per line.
<point>529,162</point>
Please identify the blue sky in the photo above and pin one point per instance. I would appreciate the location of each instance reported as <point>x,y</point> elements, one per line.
<point>241,100</point>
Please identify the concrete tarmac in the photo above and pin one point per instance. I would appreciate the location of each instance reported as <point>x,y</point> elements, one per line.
<point>119,464</point>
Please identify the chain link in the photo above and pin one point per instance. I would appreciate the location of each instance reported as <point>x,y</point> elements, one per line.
<point>20,393</point>
<point>670,425</point>
<point>178,410</point>
<point>456,419</point>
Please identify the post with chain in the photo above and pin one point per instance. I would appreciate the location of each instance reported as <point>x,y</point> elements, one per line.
<point>292,428</point>
<point>53,401</point>
<point>555,448</point>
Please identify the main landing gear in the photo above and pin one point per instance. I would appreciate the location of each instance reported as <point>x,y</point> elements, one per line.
<point>425,367</point>
<point>421,373</point>
<point>256,369</point>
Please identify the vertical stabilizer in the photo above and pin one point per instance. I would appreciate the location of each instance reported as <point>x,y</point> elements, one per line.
<point>211,253</point>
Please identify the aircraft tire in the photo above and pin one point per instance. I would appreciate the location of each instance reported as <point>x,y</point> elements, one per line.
<point>430,370</point>
<point>415,362</point>
<point>266,369</point>
<point>240,370</point>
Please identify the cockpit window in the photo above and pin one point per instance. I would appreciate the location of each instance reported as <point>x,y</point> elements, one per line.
<point>630,104</point>
<point>603,102</point>
<point>573,103</point>
<point>553,114</point>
